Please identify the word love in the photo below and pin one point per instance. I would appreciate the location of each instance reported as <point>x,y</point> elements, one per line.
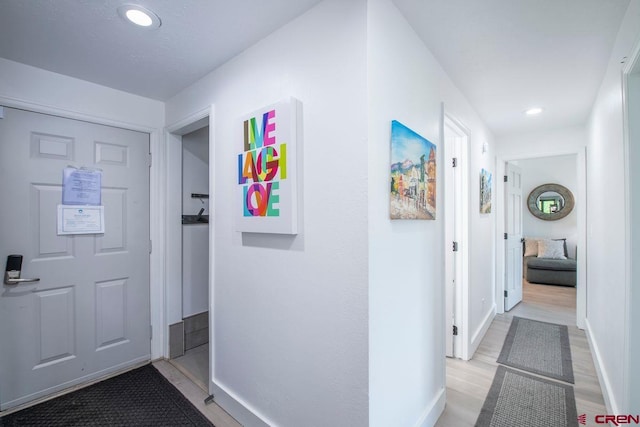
<point>261,166</point>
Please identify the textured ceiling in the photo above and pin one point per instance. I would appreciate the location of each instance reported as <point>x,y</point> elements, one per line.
<point>504,55</point>
<point>509,55</point>
<point>87,39</point>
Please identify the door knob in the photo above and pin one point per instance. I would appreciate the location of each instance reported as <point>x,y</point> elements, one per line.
<point>13,270</point>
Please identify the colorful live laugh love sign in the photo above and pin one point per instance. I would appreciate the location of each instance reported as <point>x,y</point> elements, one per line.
<point>267,170</point>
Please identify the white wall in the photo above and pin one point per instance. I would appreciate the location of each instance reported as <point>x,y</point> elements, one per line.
<point>606,230</point>
<point>195,171</point>
<point>195,237</point>
<point>406,308</point>
<point>550,170</point>
<point>540,144</point>
<point>290,313</point>
<point>633,222</point>
<point>22,83</point>
<point>195,269</point>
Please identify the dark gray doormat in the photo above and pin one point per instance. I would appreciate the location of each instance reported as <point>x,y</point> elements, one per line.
<point>538,347</point>
<point>142,397</point>
<point>517,399</point>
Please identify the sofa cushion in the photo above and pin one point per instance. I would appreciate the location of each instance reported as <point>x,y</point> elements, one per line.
<point>530,247</point>
<point>551,264</point>
<point>551,277</point>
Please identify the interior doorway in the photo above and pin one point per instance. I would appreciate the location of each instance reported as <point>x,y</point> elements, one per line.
<point>192,355</point>
<point>189,243</point>
<point>456,238</point>
<point>568,170</point>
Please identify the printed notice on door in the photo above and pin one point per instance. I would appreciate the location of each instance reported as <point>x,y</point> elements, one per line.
<point>80,219</point>
<point>81,186</point>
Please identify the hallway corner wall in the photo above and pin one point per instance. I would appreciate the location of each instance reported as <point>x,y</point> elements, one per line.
<point>290,312</point>
<point>607,292</point>
<point>406,276</point>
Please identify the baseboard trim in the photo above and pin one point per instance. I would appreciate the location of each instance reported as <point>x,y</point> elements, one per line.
<point>481,332</point>
<point>176,340</point>
<point>433,410</point>
<point>237,408</point>
<point>605,384</point>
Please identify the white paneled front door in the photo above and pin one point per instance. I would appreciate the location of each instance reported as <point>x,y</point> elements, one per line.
<point>89,313</point>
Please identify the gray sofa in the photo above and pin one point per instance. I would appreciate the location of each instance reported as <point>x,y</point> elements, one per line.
<point>550,271</point>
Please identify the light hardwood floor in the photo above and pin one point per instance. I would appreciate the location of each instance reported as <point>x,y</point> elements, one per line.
<point>468,382</point>
<point>195,394</point>
<point>195,365</point>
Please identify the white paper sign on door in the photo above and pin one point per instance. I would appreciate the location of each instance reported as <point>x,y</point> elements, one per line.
<point>81,186</point>
<point>80,219</point>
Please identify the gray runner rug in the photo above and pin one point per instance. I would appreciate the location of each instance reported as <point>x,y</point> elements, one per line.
<point>517,399</point>
<point>538,347</point>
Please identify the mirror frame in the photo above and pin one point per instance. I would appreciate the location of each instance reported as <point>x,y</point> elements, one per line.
<point>569,202</point>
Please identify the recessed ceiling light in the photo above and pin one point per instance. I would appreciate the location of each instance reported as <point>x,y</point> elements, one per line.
<point>533,111</point>
<point>139,15</point>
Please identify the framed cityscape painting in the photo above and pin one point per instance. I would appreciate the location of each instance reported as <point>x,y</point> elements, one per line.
<point>413,175</point>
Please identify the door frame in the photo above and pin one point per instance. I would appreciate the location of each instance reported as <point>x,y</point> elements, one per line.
<point>156,204</point>
<point>581,212</point>
<point>461,342</point>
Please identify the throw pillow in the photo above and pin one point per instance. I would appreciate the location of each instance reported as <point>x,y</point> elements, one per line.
<point>564,242</point>
<point>553,249</point>
<point>530,247</point>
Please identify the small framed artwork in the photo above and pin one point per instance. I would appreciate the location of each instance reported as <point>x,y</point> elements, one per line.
<point>413,175</point>
<point>485,191</point>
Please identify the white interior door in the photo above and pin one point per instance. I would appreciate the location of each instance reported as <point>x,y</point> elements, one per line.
<point>89,313</point>
<point>513,231</point>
